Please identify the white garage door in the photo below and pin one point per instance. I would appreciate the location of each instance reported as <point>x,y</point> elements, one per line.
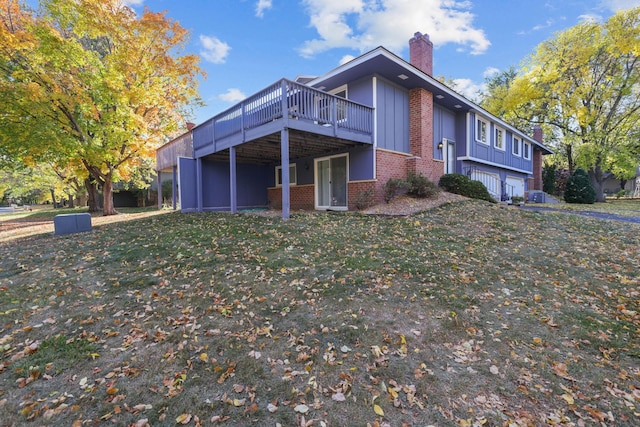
<point>515,186</point>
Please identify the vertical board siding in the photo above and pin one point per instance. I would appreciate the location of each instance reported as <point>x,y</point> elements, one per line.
<point>393,117</point>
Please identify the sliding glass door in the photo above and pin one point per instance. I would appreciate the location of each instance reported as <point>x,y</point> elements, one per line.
<point>331,182</point>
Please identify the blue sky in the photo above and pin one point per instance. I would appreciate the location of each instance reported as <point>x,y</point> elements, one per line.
<point>245,45</point>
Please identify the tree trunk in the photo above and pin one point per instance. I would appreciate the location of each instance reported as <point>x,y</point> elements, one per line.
<point>597,179</point>
<point>107,198</point>
<point>92,191</point>
<point>570,161</point>
<point>53,197</point>
<point>70,198</point>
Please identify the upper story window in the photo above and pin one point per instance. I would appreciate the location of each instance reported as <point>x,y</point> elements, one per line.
<point>482,129</point>
<point>498,141</point>
<point>515,146</point>
<point>526,151</point>
<point>292,175</point>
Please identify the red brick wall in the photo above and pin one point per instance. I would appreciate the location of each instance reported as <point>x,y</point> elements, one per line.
<point>301,197</point>
<point>537,170</point>
<point>421,53</point>
<point>359,189</point>
<point>421,135</point>
<point>388,165</point>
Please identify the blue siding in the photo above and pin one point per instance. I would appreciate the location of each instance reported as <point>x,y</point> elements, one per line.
<point>187,184</point>
<point>361,91</point>
<point>392,112</point>
<point>361,163</point>
<point>251,184</point>
<point>444,126</point>
<point>360,166</point>
<point>491,154</point>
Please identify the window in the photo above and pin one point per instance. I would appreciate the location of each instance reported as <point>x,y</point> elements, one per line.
<point>515,146</point>
<point>481,131</point>
<point>498,141</point>
<point>526,151</point>
<point>292,175</point>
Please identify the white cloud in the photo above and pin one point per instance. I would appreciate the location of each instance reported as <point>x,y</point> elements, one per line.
<point>490,72</point>
<point>616,5</point>
<point>232,95</point>
<point>468,88</point>
<point>132,2</point>
<point>346,59</point>
<point>589,18</point>
<point>261,6</point>
<point>365,24</point>
<point>214,50</point>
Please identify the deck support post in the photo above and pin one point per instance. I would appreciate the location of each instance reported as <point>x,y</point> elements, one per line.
<point>159,190</point>
<point>174,190</point>
<point>199,184</point>
<point>233,187</point>
<point>284,162</point>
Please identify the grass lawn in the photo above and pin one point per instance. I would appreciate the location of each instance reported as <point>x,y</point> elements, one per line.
<point>467,314</point>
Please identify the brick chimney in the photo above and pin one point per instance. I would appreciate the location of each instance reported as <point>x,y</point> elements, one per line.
<point>423,160</point>
<point>421,53</point>
<point>537,159</point>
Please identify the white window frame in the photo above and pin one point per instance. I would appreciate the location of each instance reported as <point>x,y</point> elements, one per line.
<point>343,88</point>
<point>293,175</point>
<point>501,140</point>
<point>480,122</point>
<point>516,142</point>
<point>526,150</point>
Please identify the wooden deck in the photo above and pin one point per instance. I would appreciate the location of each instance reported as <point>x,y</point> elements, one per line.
<point>315,116</point>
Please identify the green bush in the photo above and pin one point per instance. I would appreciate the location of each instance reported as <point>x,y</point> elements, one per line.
<point>392,187</point>
<point>579,188</point>
<point>461,184</point>
<point>549,179</point>
<point>420,187</point>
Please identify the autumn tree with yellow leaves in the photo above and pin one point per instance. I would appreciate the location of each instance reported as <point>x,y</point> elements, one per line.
<point>89,85</point>
<point>583,85</point>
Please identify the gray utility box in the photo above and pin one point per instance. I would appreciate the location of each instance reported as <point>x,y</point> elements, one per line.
<point>71,223</point>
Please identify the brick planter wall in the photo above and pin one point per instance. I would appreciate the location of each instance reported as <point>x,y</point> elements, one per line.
<point>358,193</point>
<point>389,165</point>
<point>301,197</point>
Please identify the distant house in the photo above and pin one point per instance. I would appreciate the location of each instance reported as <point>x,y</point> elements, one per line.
<point>612,185</point>
<point>345,134</point>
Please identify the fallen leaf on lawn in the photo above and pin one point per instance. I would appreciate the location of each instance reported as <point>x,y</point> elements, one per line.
<point>560,369</point>
<point>184,418</point>
<point>303,409</point>
<point>141,423</point>
<point>393,393</point>
<point>204,357</point>
<point>494,370</point>
<point>338,397</point>
<point>568,398</point>
<point>239,402</point>
<point>378,410</point>
<point>272,408</point>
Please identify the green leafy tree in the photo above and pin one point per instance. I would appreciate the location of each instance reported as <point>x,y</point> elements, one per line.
<point>579,188</point>
<point>89,83</point>
<point>585,83</point>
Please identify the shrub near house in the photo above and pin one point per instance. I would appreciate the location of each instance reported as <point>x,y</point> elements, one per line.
<point>461,184</point>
